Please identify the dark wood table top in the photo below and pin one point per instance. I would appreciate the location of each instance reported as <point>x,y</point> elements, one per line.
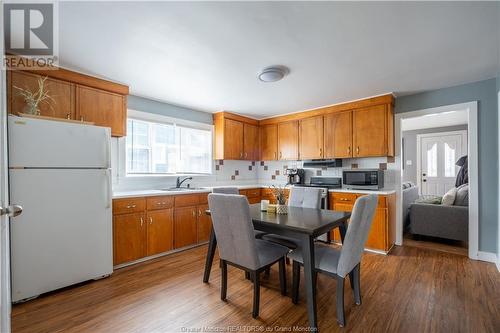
<point>309,221</point>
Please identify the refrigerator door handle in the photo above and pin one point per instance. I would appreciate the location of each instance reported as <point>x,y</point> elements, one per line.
<point>109,193</point>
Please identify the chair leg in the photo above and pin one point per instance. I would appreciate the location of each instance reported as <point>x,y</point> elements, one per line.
<point>223,289</point>
<point>295,282</point>
<point>256,294</point>
<point>340,301</point>
<point>357,285</point>
<point>351,279</point>
<point>287,260</point>
<point>282,268</point>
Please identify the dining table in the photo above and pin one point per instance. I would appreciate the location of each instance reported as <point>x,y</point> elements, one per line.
<point>302,224</point>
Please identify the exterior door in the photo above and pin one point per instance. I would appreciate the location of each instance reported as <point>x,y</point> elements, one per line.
<point>438,154</point>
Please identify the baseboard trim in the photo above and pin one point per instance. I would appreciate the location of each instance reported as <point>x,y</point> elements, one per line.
<point>487,256</point>
<point>498,265</point>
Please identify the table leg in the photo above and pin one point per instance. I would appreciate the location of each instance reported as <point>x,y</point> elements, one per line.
<point>309,274</point>
<point>212,244</point>
<point>343,230</point>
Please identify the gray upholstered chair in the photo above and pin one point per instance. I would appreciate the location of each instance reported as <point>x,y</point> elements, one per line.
<point>234,190</point>
<point>305,197</point>
<point>343,262</point>
<point>226,190</point>
<point>238,246</point>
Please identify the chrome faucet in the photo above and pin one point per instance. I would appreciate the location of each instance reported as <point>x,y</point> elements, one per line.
<point>179,182</point>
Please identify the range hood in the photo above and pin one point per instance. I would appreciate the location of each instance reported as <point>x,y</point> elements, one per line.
<point>333,163</point>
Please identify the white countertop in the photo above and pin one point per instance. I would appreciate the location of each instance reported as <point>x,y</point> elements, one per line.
<point>149,193</point>
<point>382,191</point>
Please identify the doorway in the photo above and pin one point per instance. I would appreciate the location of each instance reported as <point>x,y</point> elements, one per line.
<point>437,154</point>
<point>470,110</point>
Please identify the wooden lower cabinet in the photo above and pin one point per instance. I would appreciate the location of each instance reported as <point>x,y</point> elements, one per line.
<point>381,235</point>
<point>129,237</point>
<point>160,231</point>
<point>204,224</point>
<point>185,226</point>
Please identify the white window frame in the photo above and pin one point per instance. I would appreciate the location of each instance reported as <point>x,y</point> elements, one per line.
<point>156,118</point>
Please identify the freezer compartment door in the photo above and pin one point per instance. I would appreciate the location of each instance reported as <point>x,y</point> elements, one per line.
<point>36,143</point>
<point>64,235</point>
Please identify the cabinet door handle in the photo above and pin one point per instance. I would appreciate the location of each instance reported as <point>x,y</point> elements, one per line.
<point>142,221</point>
<point>68,116</point>
<point>131,206</point>
<point>357,150</point>
<point>194,213</point>
<point>81,118</point>
<point>281,155</point>
<point>321,152</point>
<point>246,154</point>
<point>349,150</point>
<point>275,157</point>
<point>150,220</point>
<point>199,212</point>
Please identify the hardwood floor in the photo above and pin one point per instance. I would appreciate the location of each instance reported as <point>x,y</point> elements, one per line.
<point>411,290</point>
<point>437,244</point>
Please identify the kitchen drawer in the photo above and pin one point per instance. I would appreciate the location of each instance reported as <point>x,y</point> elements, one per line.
<point>343,197</point>
<point>129,205</point>
<point>203,198</point>
<point>243,192</point>
<point>254,200</point>
<point>253,193</point>
<point>187,200</point>
<point>162,202</point>
<point>382,200</point>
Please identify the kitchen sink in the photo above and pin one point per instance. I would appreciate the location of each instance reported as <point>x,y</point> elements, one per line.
<point>180,189</point>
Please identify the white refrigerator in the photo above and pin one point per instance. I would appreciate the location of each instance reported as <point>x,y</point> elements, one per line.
<point>60,174</point>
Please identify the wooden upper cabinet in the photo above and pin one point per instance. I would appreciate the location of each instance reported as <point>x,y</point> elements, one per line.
<point>160,231</point>
<point>311,138</point>
<point>250,142</point>
<point>269,142</point>
<point>233,139</point>
<point>62,104</point>
<point>129,237</point>
<point>338,135</point>
<point>370,131</point>
<point>102,108</point>
<point>288,142</point>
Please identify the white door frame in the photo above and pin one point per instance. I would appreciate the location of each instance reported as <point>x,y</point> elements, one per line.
<point>5,297</point>
<point>419,151</point>
<point>472,142</point>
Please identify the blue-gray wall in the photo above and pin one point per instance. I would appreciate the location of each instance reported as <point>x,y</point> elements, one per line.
<point>485,92</point>
<point>147,105</point>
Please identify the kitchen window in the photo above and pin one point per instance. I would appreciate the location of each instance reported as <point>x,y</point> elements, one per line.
<point>167,148</point>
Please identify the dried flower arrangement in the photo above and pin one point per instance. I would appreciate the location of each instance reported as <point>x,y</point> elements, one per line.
<point>34,99</point>
<point>280,194</point>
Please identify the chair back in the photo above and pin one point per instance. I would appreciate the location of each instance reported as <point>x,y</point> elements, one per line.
<point>357,233</point>
<point>305,197</point>
<point>233,229</point>
<point>226,190</point>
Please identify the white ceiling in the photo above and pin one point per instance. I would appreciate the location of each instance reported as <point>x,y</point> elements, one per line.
<point>435,120</point>
<point>207,55</point>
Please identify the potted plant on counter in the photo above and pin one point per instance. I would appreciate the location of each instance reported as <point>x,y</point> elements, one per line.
<point>280,195</point>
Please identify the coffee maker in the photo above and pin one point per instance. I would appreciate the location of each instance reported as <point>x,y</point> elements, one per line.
<point>295,176</point>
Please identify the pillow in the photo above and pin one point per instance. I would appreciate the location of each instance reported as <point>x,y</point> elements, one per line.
<point>462,198</point>
<point>429,199</point>
<point>449,197</point>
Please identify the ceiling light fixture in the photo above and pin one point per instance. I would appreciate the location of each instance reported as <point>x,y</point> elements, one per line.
<point>273,73</point>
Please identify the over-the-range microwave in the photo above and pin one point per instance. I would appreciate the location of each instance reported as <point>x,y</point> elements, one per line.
<point>363,179</point>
